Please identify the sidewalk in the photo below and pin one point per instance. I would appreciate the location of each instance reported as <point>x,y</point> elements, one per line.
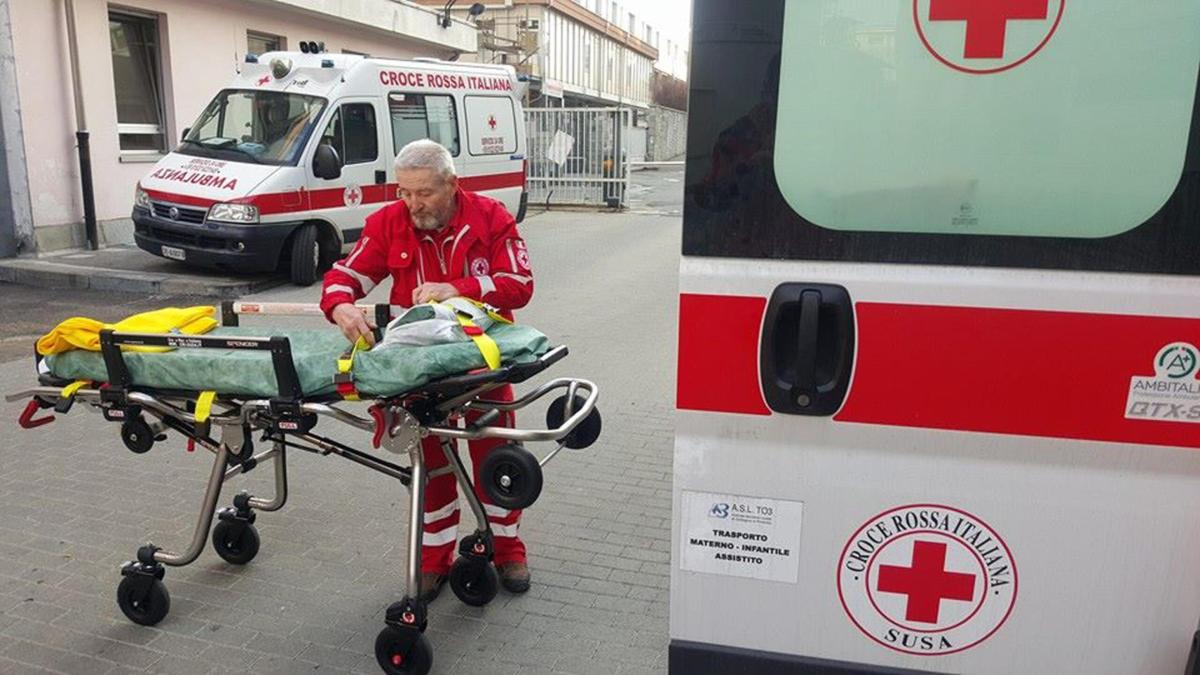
<point>130,269</point>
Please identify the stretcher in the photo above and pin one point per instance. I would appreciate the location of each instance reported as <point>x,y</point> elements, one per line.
<point>272,391</point>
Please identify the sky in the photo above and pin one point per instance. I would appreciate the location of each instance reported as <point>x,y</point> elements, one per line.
<point>672,17</point>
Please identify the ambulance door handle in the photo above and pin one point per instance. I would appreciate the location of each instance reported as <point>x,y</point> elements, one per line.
<point>806,349</point>
<point>380,177</point>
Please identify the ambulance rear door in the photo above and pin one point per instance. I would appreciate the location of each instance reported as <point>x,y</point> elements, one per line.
<point>495,149</point>
<point>938,339</point>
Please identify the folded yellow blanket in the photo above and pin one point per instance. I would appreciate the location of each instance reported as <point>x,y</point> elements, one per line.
<point>84,333</point>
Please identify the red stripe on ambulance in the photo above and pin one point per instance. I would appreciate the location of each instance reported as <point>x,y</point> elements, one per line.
<point>300,200</point>
<point>718,354</point>
<point>1006,371</point>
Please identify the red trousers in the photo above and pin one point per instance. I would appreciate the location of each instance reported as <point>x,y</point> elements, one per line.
<point>439,544</point>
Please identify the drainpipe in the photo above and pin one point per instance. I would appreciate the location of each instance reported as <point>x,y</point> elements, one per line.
<point>82,136</point>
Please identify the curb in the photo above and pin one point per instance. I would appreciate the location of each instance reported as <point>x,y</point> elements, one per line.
<point>46,274</point>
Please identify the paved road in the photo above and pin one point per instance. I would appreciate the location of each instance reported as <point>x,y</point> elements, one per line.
<point>76,504</point>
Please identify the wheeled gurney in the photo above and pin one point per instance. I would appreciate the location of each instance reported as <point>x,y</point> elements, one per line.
<point>275,391</point>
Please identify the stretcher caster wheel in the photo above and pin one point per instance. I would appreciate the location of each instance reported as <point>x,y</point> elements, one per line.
<point>137,435</point>
<point>403,651</point>
<point>511,477</point>
<point>585,433</point>
<point>474,580</point>
<point>235,541</point>
<point>144,601</point>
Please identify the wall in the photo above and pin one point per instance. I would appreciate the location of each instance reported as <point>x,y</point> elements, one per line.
<point>202,45</point>
<point>668,134</point>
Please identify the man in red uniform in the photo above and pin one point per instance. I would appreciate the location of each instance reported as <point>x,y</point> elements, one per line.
<point>438,242</point>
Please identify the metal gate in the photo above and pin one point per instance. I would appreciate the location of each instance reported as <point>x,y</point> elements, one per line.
<point>578,155</point>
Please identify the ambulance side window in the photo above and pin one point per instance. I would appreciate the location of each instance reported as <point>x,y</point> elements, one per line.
<point>417,116</point>
<point>351,131</point>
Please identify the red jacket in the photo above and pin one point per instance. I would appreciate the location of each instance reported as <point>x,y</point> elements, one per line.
<point>479,252</point>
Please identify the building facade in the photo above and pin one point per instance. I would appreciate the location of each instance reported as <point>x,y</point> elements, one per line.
<point>146,69</point>
<point>573,55</point>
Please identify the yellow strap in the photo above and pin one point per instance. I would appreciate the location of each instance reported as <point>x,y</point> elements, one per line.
<point>487,346</point>
<point>69,390</point>
<point>204,406</point>
<point>345,364</point>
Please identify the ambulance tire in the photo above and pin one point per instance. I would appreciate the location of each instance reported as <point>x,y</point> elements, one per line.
<point>305,255</point>
<point>511,477</point>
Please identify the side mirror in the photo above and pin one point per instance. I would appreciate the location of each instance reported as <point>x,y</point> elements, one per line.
<point>326,163</point>
<point>183,136</point>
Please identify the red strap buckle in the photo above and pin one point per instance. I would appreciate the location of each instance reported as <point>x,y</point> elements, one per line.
<point>473,331</point>
<point>27,421</point>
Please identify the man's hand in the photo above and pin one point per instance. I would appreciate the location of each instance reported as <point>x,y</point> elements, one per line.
<point>433,292</point>
<point>353,324</point>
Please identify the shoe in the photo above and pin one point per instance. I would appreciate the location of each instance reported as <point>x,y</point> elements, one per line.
<point>431,585</point>
<point>514,576</point>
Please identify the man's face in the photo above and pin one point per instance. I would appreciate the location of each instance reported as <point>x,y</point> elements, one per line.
<point>430,197</point>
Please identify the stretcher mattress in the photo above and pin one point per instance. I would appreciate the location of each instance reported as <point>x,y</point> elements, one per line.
<point>378,372</point>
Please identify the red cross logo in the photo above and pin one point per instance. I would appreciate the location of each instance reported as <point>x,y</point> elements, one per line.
<point>265,79</point>
<point>927,582</point>
<point>986,36</point>
<point>492,122</point>
<point>987,21</point>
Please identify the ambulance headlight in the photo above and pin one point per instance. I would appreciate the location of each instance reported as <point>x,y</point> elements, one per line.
<point>280,67</point>
<point>233,213</point>
<point>141,200</point>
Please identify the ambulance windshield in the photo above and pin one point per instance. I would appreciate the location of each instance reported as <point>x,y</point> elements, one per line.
<point>260,127</point>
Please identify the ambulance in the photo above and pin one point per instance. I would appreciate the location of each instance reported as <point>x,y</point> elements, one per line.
<point>939,339</point>
<point>283,166</point>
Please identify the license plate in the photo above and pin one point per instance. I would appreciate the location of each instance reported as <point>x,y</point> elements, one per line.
<point>174,253</point>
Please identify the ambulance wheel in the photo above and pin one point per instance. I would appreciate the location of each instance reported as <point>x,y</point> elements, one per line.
<point>136,435</point>
<point>235,541</point>
<point>585,433</point>
<point>511,477</point>
<point>305,255</point>
<point>474,581</point>
<point>397,656</point>
<point>145,608</point>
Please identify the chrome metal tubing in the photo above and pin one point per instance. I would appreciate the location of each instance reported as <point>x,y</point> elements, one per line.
<point>416,522</point>
<point>281,490</point>
<point>260,457</point>
<point>450,449</point>
<point>211,493</point>
<point>528,435</point>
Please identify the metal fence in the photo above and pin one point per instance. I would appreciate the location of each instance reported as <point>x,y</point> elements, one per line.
<point>578,155</point>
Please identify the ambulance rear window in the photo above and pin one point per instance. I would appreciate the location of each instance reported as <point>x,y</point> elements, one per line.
<point>491,125</point>
<point>895,123</point>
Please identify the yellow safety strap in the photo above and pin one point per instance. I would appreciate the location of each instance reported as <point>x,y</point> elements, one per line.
<point>204,406</point>
<point>345,368</point>
<point>487,346</point>
<point>69,390</point>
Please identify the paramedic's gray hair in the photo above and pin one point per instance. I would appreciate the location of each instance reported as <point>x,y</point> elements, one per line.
<point>426,154</point>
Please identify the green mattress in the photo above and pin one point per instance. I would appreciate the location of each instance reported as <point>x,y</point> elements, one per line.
<point>380,372</point>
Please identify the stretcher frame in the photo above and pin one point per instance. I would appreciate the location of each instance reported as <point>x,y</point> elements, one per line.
<point>286,421</point>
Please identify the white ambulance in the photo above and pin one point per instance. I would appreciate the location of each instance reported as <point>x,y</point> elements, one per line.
<point>283,166</point>
<point>939,336</point>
